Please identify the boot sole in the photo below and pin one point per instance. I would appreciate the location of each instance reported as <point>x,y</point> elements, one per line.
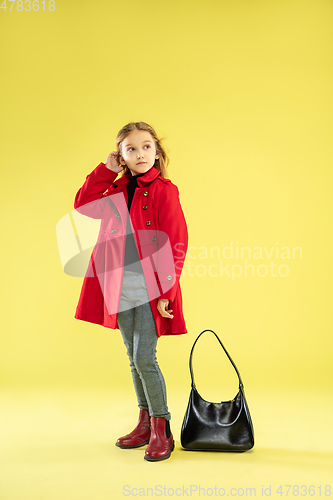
<point>125,446</point>
<point>158,459</point>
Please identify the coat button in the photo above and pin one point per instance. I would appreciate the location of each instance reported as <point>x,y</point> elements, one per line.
<point>169,277</point>
<point>154,238</point>
<point>113,230</point>
<point>145,207</point>
<point>145,193</point>
<point>148,222</point>
<point>117,215</point>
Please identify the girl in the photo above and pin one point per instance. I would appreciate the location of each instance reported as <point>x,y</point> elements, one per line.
<point>132,283</point>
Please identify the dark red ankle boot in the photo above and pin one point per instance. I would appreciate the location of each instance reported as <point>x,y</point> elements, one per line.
<point>161,442</point>
<point>140,435</point>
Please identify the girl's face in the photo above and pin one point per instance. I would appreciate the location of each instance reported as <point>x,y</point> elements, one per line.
<point>138,151</point>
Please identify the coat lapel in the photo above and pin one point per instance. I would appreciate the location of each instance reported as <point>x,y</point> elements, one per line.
<point>143,180</point>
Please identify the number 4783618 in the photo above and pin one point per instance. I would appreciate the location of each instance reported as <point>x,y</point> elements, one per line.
<point>27,5</point>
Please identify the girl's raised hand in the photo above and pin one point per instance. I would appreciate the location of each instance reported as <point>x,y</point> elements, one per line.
<point>162,308</point>
<point>113,163</point>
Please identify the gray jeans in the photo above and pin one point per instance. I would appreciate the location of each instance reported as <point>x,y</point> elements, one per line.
<point>137,326</point>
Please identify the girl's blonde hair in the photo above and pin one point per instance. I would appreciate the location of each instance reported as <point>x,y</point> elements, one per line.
<point>161,163</point>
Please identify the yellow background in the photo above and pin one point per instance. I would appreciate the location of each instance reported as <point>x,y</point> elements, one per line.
<point>241,92</point>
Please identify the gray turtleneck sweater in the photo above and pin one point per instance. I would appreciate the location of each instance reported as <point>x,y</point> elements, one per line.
<point>132,258</point>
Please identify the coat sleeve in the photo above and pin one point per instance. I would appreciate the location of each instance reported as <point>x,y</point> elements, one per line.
<point>89,200</point>
<point>172,222</point>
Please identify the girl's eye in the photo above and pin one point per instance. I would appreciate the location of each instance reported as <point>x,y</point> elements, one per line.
<point>148,146</point>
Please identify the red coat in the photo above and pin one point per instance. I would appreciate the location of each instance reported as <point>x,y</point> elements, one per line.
<point>160,234</point>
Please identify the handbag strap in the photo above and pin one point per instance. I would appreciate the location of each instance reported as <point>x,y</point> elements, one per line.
<point>233,364</point>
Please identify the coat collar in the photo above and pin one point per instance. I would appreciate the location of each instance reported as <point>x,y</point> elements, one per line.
<point>142,181</point>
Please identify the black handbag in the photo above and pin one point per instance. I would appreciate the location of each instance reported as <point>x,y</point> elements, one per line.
<point>225,426</point>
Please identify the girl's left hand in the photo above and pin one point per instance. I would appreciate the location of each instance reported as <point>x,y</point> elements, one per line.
<point>162,308</point>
